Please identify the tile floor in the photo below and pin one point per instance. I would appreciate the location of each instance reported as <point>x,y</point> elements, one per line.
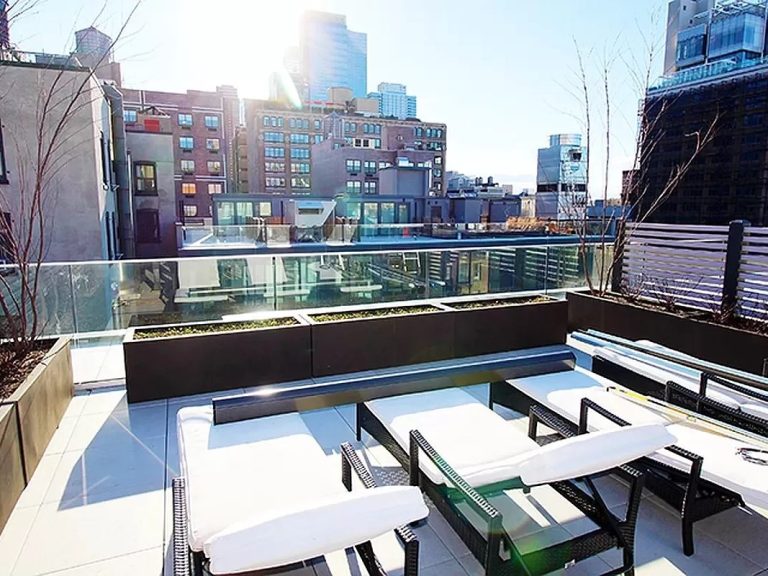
<point>99,504</point>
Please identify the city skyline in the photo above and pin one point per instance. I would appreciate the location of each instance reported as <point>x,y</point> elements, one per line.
<point>501,90</point>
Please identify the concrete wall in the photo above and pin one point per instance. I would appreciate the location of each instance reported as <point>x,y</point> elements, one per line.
<point>156,148</point>
<point>76,197</point>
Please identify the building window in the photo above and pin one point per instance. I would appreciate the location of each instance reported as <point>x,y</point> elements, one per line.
<point>273,182</point>
<point>370,167</point>
<point>318,138</point>
<point>215,188</point>
<point>353,187</point>
<point>274,166</point>
<point>188,188</point>
<point>438,160</point>
<point>418,132</point>
<point>277,137</point>
<point>300,182</point>
<point>300,153</point>
<point>274,152</point>
<point>145,178</point>
<point>3,170</point>
<point>377,143</point>
<point>187,166</point>
<point>190,210</point>
<point>185,120</point>
<point>300,167</point>
<point>318,125</point>
<point>354,166</point>
<point>383,165</point>
<point>437,172</point>
<point>299,138</point>
<point>214,167</point>
<point>350,127</point>
<point>212,122</point>
<point>213,144</point>
<point>370,187</point>
<point>147,226</point>
<point>186,143</point>
<point>265,209</point>
<point>130,116</point>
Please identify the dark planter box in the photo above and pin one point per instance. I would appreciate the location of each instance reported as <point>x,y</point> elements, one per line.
<point>41,401</point>
<point>28,420</point>
<point>11,466</point>
<point>358,345</point>
<point>719,344</point>
<point>158,368</point>
<point>504,328</point>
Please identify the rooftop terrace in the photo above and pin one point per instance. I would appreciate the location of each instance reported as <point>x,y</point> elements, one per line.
<point>100,501</point>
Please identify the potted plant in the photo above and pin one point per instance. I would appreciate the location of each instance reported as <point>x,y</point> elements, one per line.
<point>373,338</point>
<point>488,325</point>
<point>186,359</point>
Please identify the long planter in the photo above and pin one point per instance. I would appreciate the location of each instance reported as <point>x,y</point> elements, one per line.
<point>373,343</point>
<point>29,418</point>
<point>11,465</point>
<point>158,368</point>
<point>720,344</point>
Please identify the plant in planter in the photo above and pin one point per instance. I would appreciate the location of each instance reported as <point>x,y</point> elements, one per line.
<point>182,360</point>
<point>506,324</point>
<point>344,342</point>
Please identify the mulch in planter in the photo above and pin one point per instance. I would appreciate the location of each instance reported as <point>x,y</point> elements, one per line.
<point>198,329</point>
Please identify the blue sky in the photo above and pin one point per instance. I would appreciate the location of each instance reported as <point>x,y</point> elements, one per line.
<point>499,73</point>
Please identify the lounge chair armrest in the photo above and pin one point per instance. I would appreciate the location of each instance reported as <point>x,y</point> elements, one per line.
<point>587,405</point>
<point>539,413</point>
<point>351,461</point>
<point>473,498</point>
<point>706,377</point>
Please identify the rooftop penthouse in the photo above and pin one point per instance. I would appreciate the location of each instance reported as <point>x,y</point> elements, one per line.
<point>441,411</point>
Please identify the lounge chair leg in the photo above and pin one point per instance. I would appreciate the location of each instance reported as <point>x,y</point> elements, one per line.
<point>687,537</point>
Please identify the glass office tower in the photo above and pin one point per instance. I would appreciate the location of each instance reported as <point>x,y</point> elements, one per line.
<point>332,55</point>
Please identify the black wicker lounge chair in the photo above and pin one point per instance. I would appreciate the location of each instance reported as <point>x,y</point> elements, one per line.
<point>259,495</point>
<point>463,455</point>
<point>702,475</point>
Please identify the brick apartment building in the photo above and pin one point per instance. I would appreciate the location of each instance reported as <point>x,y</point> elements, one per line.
<point>281,144</point>
<point>204,128</point>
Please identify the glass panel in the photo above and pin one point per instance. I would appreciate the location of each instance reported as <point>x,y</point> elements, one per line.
<point>387,213</point>
<point>370,213</point>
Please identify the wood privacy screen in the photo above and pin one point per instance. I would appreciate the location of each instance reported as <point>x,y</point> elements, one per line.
<point>705,267</point>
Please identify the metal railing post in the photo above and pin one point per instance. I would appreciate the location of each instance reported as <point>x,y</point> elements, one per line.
<point>730,297</point>
<point>617,272</point>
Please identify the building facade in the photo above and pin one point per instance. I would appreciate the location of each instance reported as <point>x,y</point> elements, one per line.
<point>332,55</point>
<point>719,76</point>
<point>281,144</point>
<point>204,129</point>
<point>394,101</point>
<point>561,178</point>
<point>79,197</point>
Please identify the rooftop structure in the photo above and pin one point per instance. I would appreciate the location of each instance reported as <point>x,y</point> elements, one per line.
<point>394,101</point>
<point>561,178</point>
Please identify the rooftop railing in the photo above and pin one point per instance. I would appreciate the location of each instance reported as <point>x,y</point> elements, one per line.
<point>99,297</point>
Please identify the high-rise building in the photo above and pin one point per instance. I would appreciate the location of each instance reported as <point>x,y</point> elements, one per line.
<point>5,34</point>
<point>281,141</point>
<point>394,101</point>
<point>332,55</point>
<point>719,74</point>
<point>561,178</point>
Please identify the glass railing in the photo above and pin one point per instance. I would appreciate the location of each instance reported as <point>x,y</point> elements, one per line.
<point>705,72</point>
<point>96,297</point>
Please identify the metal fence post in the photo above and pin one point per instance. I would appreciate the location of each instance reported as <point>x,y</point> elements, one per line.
<point>618,256</point>
<point>732,265</point>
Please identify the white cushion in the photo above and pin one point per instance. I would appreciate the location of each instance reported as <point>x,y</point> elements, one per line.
<point>756,409</point>
<point>562,392</point>
<point>244,470</point>
<point>662,376</point>
<point>327,525</point>
<point>474,440</point>
<point>592,453</point>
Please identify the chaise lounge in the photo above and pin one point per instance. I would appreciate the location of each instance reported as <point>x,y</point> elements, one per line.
<point>464,456</point>
<point>261,494</point>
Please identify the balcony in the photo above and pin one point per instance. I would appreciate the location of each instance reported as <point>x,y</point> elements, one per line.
<point>101,499</point>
